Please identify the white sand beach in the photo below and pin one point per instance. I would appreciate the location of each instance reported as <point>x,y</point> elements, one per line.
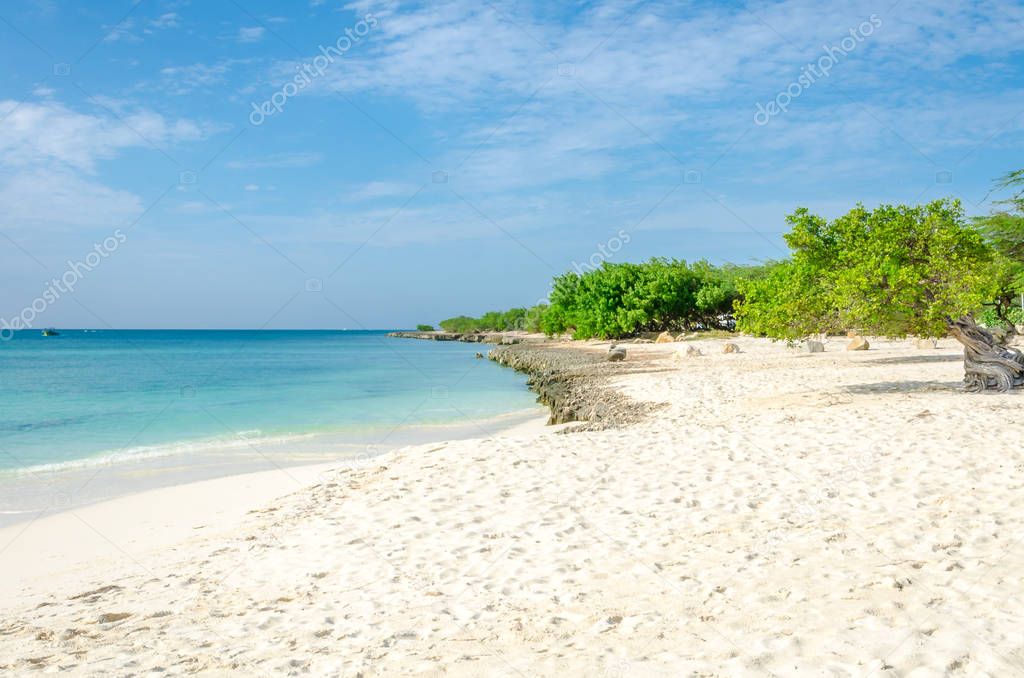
<point>836,514</point>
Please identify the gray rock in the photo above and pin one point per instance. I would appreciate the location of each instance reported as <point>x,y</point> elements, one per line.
<point>616,355</point>
<point>811,346</point>
<point>1000,334</point>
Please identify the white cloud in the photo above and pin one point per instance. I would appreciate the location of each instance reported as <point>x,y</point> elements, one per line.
<point>185,79</point>
<point>642,82</point>
<point>44,7</point>
<point>195,207</point>
<point>126,30</point>
<point>49,158</point>
<point>121,32</point>
<point>275,160</point>
<point>447,54</point>
<point>251,33</point>
<point>58,198</point>
<point>35,133</point>
<point>610,88</point>
<point>374,190</point>
<point>166,20</point>
<point>417,223</point>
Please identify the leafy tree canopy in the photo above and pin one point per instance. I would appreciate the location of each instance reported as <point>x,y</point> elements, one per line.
<point>895,270</point>
<point>1004,231</point>
<point>622,299</point>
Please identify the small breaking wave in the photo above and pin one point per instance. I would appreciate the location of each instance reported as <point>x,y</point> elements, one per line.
<point>251,439</point>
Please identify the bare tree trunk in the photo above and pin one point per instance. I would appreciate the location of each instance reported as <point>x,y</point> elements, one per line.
<point>988,364</point>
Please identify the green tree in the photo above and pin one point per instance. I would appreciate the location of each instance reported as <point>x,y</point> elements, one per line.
<point>894,271</point>
<point>787,302</point>
<point>492,321</point>
<point>533,321</point>
<point>557,318</point>
<point>460,323</point>
<point>622,299</point>
<point>1004,230</point>
<point>425,328</point>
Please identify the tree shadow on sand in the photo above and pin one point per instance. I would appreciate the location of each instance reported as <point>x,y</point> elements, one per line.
<point>917,359</point>
<point>907,387</point>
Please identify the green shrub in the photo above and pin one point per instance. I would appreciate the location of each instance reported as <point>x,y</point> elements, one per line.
<point>460,323</point>
<point>622,299</point>
<point>893,271</point>
<point>990,317</point>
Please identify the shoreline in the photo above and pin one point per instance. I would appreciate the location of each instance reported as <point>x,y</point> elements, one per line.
<point>33,491</point>
<point>568,380</point>
<point>60,542</point>
<point>572,381</point>
<point>773,512</point>
<point>506,337</point>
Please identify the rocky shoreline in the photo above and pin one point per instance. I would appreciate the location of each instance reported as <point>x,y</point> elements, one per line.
<point>506,338</point>
<point>572,383</point>
<point>569,381</point>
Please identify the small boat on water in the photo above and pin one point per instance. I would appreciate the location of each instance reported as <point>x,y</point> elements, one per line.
<point>50,332</point>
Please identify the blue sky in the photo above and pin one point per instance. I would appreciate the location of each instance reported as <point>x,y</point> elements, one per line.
<point>452,157</point>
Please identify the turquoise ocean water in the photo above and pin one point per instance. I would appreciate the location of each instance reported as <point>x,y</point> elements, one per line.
<point>102,398</point>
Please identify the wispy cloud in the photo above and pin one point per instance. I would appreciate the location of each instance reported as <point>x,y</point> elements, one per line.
<point>251,33</point>
<point>122,32</point>
<point>593,116</point>
<point>185,79</point>
<point>57,198</point>
<point>614,87</point>
<point>49,158</point>
<point>166,20</point>
<point>381,189</point>
<point>50,131</point>
<point>277,160</point>
<point>130,28</point>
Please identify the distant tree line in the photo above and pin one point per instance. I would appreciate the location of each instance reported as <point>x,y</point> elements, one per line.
<point>526,319</point>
